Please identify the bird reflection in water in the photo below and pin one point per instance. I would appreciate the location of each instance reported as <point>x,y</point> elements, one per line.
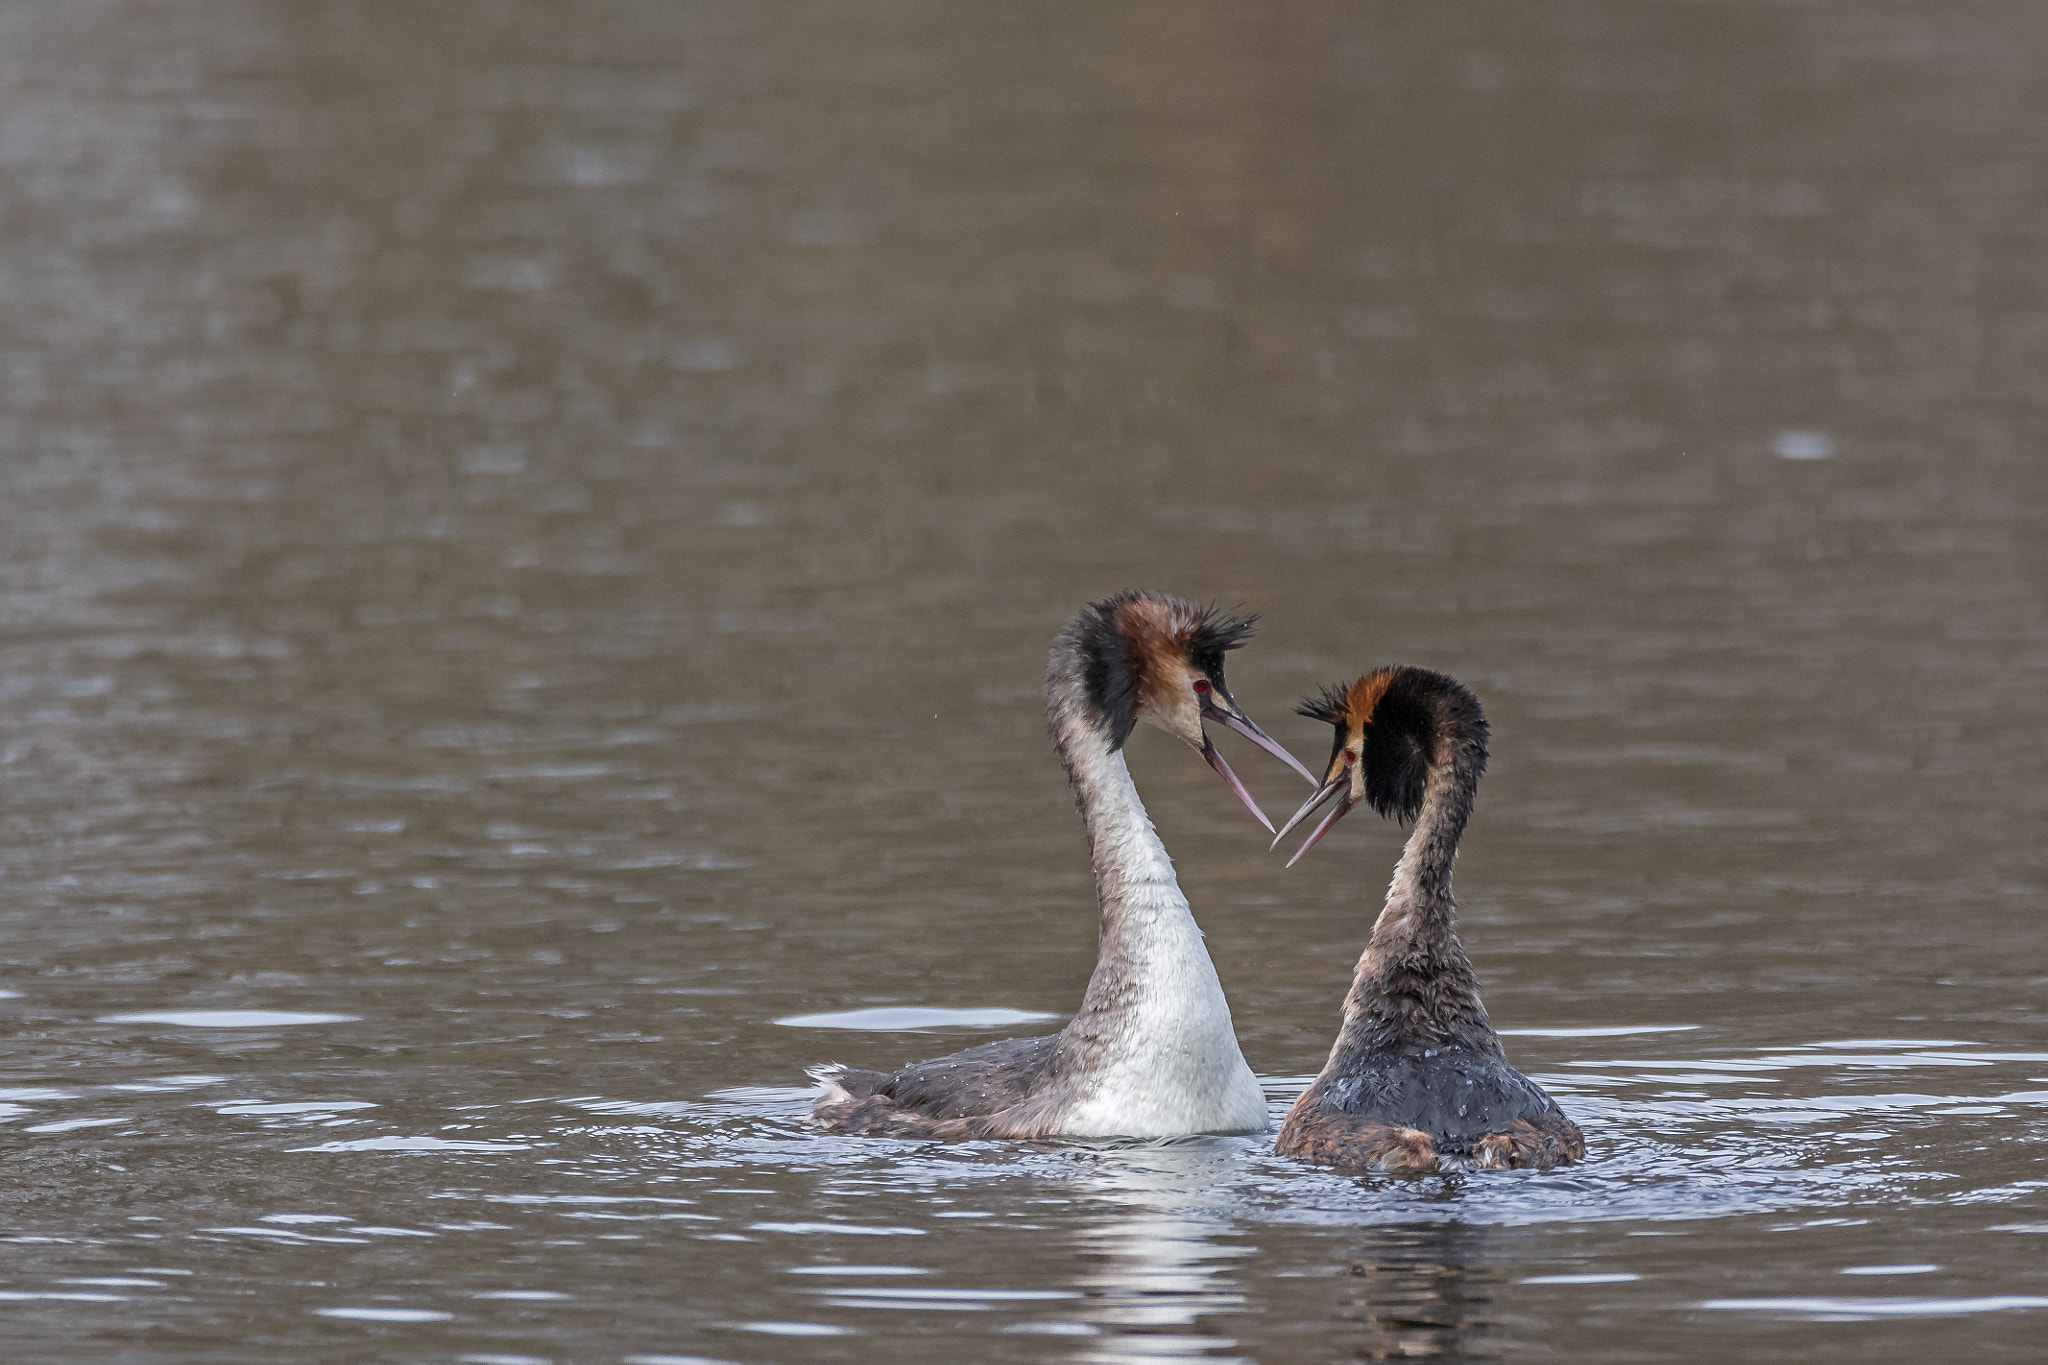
<point>1159,1259</point>
<point>1421,1292</point>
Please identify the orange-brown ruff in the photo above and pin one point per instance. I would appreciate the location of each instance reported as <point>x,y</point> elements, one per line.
<point>1151,1051</point>
<point>1417,1080</point>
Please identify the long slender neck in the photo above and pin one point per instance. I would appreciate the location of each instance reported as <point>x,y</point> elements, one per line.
<point>1154,985</point>
<point>1414,982</point>
<point>1130,862</point>
<point>1151,1051</point>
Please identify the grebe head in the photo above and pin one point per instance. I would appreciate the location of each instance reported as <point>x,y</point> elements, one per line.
<point>1149,657</point>
<point>1392,726</point>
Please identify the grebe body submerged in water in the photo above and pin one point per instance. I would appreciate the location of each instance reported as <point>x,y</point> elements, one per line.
<point>1418,1080</point>
<point>1151,1053</point>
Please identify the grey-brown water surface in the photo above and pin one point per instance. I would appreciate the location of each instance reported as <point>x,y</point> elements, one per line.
<point>530,534</point>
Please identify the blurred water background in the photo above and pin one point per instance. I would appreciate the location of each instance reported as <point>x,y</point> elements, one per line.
<point>528,535</point>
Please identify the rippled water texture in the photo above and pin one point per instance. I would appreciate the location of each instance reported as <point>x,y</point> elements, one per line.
<point>528,540</point>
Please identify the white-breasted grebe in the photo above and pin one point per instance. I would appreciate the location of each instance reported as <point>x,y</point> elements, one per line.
<point>1151,1052</point>
<point>1417,1080</point>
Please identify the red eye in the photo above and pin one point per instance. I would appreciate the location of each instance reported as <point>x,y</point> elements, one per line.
<point>1349,758</point>
<point>1202,686</point>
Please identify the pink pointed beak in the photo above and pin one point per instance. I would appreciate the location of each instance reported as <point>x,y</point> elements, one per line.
<point>1220,706</point>
<point>1338,784</point>
<point>1223,771</point>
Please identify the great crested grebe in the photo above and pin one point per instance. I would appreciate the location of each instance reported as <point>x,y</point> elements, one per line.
<point>1417,1080</point>
<point>1151,1052</point>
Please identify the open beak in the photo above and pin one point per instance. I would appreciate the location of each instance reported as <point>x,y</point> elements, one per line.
<point>1223,771</point>
<point>1341,783</point>
<point>1221,707</point>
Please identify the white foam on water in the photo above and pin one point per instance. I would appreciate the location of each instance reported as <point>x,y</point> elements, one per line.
<point>1850,1309</point>
<point>227,1018</point>
<point>911,1019</point>
<point>1611,1031</point>
<point>386,1314</point>
<point>415,1144</point>
<point>1802,445</point>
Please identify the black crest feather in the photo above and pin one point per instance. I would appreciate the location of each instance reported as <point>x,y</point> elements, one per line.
<point>1399,746</point>
<point>1417,718</point>
<point>1113,663</point>
<point>1213,633</point>
<point>1326,706</point>
<point>1106,672</point>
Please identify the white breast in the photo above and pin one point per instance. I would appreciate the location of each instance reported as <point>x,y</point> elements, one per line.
<point>1158,1056</point>
<point>1167,1062</point>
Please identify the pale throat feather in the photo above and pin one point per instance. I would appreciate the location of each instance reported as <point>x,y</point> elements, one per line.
<point>1150,943</point>
<point>1153,1034</point>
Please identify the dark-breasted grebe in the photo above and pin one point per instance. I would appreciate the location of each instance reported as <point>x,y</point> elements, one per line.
<point>1151,1052</point>
<point>1417,1080</point>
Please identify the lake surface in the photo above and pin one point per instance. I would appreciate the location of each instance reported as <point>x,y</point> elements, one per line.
<point>528,540</point>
